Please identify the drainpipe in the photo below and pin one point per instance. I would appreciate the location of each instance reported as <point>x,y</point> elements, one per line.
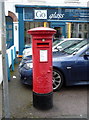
<point>69,30</point>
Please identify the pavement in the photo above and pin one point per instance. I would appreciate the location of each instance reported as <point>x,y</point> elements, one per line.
<point>0,101</point>
<point>69,102</point>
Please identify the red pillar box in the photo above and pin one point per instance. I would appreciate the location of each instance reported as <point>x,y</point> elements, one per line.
<point>42,67</point>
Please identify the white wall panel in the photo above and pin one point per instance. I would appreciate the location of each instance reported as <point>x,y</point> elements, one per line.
<point>1,75</point>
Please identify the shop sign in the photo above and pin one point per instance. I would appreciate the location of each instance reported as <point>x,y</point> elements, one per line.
<point>56,15</point>
<point>40,14</point>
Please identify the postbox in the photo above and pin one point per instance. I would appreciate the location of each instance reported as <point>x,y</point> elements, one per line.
<point>42,67</point>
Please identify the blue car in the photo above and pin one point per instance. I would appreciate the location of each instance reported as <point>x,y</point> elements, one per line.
<point>70,66</point>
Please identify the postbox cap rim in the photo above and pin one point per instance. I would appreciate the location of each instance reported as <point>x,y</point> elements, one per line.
<point>41,29</point>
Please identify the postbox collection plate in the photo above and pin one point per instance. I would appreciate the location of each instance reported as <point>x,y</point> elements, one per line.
<point>43,55</point>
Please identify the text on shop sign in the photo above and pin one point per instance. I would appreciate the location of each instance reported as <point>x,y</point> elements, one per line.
<point>42,14</point>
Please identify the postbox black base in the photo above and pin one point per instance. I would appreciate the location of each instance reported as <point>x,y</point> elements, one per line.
<point>43,101</point>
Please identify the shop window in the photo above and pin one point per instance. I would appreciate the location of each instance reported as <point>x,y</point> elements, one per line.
<point>80,27</point>
<point>85,27</point>
<point>72,27</point>
<point>30,25</point>
<point>79,30</point>
<point>80,35</point>
<point>85,35</point>
<point>58,33</point>
<point>10,26</point>
<point>73,34</point>
<point>9,32</point>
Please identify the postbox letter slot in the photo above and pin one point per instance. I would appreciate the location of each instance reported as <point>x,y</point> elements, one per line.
<point>42,44</point>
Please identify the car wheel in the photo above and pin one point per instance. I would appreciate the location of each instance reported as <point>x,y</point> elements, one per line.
<point>57,80</point>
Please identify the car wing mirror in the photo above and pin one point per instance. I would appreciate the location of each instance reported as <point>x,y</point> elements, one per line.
<point>59,48</point>
<point>86,55</point>
<point>56,48</point>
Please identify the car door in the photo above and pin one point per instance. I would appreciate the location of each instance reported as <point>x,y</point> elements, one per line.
<point>82,67</point>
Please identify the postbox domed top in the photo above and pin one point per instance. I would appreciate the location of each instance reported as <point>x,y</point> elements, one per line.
<point>41,30</point>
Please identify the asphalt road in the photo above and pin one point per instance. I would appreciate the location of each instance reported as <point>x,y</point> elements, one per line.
<point>69,102</point>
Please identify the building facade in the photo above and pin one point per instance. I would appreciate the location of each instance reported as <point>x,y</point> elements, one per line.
<point>70,19</point>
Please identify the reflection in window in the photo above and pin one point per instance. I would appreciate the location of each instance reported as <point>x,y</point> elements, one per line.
<point>79,30</point>
<point>85,27</point>
<point>85,35</point>
<point>80,35</point>
<point>30,25</point>
<point>10,34</point>
<point>9,31</point>
<point>72,26</point>
<point>80,27</point>
<point>76,47</point>
<point>10,26</point>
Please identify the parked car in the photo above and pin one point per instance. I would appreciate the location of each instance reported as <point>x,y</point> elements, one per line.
<point>71,67</point>
<point>27,50</point>
<point>57,45</point>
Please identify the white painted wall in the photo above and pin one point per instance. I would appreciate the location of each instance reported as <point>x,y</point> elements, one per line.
<point>1,75</point>
<point>0,39</point>
<point>82,3</point>
<point>0,34</point>
<point>10,4</point>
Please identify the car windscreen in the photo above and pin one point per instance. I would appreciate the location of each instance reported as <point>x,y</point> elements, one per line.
<point>56,42</point>
<point>28,46</point>
<point>76,47</point>
<point>67,43</point>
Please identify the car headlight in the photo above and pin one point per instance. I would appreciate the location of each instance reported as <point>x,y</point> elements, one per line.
<point>20,64</point>
<point>28,66</point>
